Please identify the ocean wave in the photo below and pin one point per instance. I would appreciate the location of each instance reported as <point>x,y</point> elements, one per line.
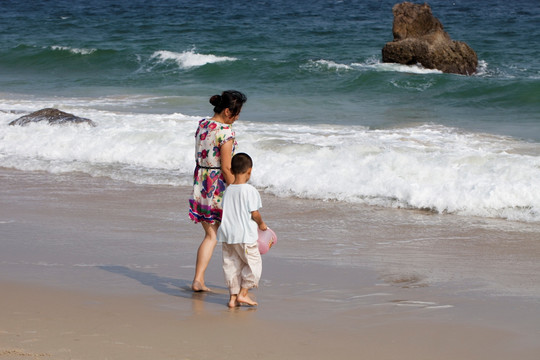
<point>428,167</point>
<point>484,70</point>
<point>481,69</point>
<point>188,59</point>
<point>425,167</point>
<point>377,65</point>
<point>412,84</point>
<point>78,51</point>
<point>371,64</point>
<point>326,65</point>
<point>506,71</point>
<point>124,146</point>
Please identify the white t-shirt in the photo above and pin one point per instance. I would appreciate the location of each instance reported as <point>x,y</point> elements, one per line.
<point>237,227</point>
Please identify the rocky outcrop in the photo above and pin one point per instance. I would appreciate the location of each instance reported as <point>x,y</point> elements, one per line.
<point>53,117</point>
<point>419,38</point>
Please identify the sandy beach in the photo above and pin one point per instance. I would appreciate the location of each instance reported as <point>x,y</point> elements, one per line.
<point>92,268</point>
<point>405,199</point>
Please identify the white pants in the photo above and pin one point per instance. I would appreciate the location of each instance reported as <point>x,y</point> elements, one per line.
<point>242,266</point>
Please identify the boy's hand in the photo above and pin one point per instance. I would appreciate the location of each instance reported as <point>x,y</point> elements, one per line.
<point>256,216</point>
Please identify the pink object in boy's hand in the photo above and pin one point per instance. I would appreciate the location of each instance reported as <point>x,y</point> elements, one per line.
<point>266,240</point>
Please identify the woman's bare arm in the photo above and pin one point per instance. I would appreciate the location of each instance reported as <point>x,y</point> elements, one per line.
<point>226,157</point>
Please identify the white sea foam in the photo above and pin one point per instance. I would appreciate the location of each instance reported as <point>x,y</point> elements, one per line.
<point>189,59</point>
<point>482,67</point>
<point>77,51</point>
<point>376,64</point>
<point>423,167</point>
<point>370,64</point>
<point>484,70</point>
<point>413,84</point>
<point>428,167</point>
<point>327,64</point>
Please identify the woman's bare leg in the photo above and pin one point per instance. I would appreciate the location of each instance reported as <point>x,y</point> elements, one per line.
<point>204,254</point>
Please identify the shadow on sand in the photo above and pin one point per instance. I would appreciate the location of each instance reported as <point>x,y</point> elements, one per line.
<point>170,286</point>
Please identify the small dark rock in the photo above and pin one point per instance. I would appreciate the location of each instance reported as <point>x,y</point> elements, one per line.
<point>53,117</point>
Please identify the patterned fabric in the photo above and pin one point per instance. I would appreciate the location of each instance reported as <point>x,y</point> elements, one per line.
<point>208,181</point>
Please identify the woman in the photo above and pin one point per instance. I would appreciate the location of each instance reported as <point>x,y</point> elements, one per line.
<point>214,148</point>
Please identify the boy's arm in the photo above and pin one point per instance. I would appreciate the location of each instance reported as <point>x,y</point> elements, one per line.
<point>256,216</point>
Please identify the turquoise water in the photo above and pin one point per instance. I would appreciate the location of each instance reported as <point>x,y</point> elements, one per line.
<point>318,94</point>
<point>302,61</point>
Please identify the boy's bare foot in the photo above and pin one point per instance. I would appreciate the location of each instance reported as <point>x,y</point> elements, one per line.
<point>233,302</point>
<point>245,299</point>
<point>197,286</point>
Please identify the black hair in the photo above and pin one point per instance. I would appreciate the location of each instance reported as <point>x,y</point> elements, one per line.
<point>229,99</point>
<point>241,163</point>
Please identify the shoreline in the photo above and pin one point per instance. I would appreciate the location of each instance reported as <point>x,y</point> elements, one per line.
<point>95,268</point>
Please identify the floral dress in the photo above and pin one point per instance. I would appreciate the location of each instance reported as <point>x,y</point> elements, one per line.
<point>208,181</point>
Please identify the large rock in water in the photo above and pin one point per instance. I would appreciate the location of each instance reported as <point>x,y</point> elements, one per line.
<point>53,117</point>
<point>419,38</point>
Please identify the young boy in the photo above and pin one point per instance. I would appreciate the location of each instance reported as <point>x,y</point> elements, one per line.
<point>242,263</point>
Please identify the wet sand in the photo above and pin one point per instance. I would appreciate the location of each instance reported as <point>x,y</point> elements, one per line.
<point>93,268</point>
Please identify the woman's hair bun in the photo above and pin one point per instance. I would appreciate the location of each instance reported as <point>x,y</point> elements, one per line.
<point>215,100</point>
<point>229,99</point>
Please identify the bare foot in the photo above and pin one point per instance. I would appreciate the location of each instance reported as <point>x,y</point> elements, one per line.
<point>233,302</point>
<point>197,286</point>
<point>245,299</point>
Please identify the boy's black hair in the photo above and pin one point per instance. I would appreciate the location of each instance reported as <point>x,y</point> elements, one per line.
<point>241,163</point>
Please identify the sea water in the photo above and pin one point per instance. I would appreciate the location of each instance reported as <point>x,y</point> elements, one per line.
<point>325,118</point>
